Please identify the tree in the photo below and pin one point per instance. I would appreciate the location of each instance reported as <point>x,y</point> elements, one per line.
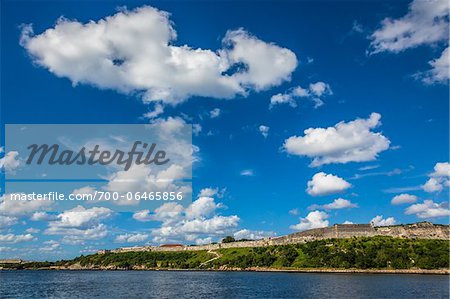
<point>228,239</point>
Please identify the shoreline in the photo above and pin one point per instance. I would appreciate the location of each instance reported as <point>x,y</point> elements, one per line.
<point>260,269</point>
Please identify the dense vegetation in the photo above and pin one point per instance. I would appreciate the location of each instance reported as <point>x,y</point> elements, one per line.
<point>360,253</point>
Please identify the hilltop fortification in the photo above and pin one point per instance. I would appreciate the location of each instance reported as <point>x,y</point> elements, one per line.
<point>421,230</point>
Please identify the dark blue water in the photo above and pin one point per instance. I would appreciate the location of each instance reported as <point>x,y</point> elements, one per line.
<point>167,284</point>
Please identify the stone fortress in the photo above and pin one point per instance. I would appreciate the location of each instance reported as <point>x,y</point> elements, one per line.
<point>420,230</point>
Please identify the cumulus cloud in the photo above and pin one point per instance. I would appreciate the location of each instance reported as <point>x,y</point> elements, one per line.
<point>264,130</point>
<point>354,141</point>
<point>77,236</point>
<point>426,23</point>
<point>11,238</point>
<point>252,235</point>
<point>324,184</point>
<point>51,245</point>
<point>315,219</point>
<point>314,92</point>
<point>203,241</point>
<point>429,209</point>
<point>10,161</point>
<point>135,52</point>
<point>337,204</point>
<point>6,221</point>
<point>80,224</point>
<point>11,207</point>
<point>196,129</point>
<point>441,169</point>
<point>208,192</point>
<point>380,221</point>
<point>81,217</point>
<point>131,238</point>
<point>202,207</point>
<point>198,223</point>
<point>42,216</point>
<point>214,113</point>
<point>439,179</point>
<point>171,133</point>
<point>403,198</point>
<point>440,68</point>
<point>169,210</point>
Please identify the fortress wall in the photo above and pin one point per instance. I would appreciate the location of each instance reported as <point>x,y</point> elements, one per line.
<point>418,230</point>
<point>422,230</point>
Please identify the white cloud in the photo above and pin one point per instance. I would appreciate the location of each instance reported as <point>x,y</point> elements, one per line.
<point>368,167</point>
<point>135,51</point>
<point>347,222</point>
<point>324,184</point>
<point>11,238</point>
<point>429,209</point>
<point>203,241</point>
<point>439,179</point>
<point>168,211</point>
<point>202,207</point>
<point>32,230</point>
<point>320,88</point>
<point>142,177</point>
<point>315,219</point>
<point>196,223</point>
<point>6,221</point>
<point>337,204</point>
<point>77,236</point>
<point>170,133</point>
<point>441,169</point>
<point>264,130</point>
<point>143,216</point>
<point>10,162</point>
<point>157,110</point>
<point>294,212</point>
<point>425,23</point>
<point>440,68</point>
<point>252,235</point>
<point>50,246</point>
<point>86,190</point>
<point>131,238</point>
<point>214,113</point>
<point>79,224</point>
<point>42,216</point>
<point>247,172</point>
<point>314,92</point>
<point>353,141</point>
<point>208,192</point>
<point>379,221</point>
<point>81,217</point>
<point>403,198</point>
<point>215,225</point>
<point>9,206</point>
<point>432,185</point>
<point>196,129</point>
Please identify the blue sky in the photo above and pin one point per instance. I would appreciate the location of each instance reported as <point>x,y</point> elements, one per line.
<point>258,179</point>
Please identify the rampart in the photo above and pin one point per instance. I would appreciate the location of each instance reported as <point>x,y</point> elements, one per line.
<point>421,230</point>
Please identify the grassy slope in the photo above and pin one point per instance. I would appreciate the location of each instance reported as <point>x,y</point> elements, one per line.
<point>359,253</point>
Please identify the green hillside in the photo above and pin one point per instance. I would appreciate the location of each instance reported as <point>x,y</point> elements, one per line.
<point>354,253</point>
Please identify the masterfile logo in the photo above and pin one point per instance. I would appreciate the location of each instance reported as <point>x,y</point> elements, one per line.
<point>124,167</point>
